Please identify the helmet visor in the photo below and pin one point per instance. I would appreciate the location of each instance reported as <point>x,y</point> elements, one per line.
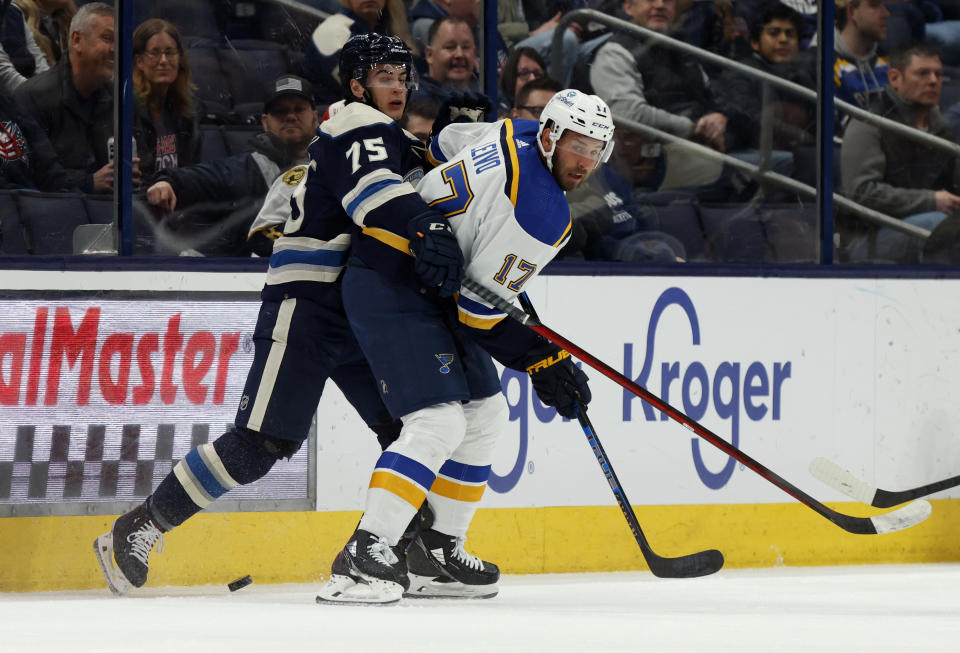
<point>592,151</point>
<point>392,75</point>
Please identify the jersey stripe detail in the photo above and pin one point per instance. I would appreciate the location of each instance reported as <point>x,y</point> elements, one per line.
<point>477,315</point>
<point>435,153</point>
<point>408,467</point>
<point>402,488</point>
<point>389,238</point>
<point>307,259</point>
<point>566,232</point>
<point>353,116</point>
<point>403,477</point>
<point>457,491</point>
<point>509,149</point>
<point>463,472</point>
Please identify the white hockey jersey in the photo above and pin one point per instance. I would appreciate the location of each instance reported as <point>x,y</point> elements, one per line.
<point>509,214</point>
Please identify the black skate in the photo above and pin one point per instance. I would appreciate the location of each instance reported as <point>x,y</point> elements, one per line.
<point>367,571</point>
<point>439,567</point>
<point>124,552</point>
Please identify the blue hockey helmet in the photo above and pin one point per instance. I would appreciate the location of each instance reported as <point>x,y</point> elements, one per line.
<point>362,52</point>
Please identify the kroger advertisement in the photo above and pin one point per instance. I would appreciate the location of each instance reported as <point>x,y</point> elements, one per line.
<point>861,371</point>
<point>100,397</point>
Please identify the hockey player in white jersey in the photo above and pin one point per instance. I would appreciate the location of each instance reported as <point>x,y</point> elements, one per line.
<point>501,189</point>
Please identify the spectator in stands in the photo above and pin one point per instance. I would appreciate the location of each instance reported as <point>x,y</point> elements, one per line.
<point>610,224</point>
<point>656,85</point>
<point>27,159</point>
<point>355,17</point>
<point>20,56</point>
<point>73,101</point>
<point>49,21</point>
<point>165,123</point>
<point>774,39</point>
<point>213,200</point>
<point>859,71</point>
<point>522,66</point>
<point>418,119</point>
<point>895,174</point>
<point>532,97</point>
<point>426,12</point>
<point>451,59</point>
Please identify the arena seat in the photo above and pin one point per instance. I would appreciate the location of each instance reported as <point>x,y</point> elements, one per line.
<point>237,138</point>
<point>212,144</point>
<point>50,220</point>
<point>12,239</point>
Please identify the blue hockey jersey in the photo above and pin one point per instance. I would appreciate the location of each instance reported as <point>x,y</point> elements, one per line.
<point>358,192</point>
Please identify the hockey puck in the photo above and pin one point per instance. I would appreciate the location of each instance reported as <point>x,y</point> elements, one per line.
<point>240,583</point>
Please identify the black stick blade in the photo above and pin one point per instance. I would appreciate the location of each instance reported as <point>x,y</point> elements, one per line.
<point>694,565</point>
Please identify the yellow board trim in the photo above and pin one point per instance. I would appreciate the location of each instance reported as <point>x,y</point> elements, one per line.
<point>56,553</point>
<point>398,486</point>
<point>389,238</point>
<point>456,491</point>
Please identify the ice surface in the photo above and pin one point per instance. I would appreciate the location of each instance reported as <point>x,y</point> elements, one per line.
<point>811,609</point>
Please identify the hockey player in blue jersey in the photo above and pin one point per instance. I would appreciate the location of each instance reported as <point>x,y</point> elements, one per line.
<point>363,166</point>
<point>500,189</point>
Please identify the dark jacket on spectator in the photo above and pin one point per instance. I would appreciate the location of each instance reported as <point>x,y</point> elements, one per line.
<point>27,159</point>
<point>741,100</point>
<point>80,139</point>
<point>186,129</point>
<point>655,86</point>
<point>893,173</point>
<point>234,177</point>
<point>218,200</point>
<point>13,36</point>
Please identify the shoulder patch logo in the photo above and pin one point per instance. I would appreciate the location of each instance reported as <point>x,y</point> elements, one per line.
<point>294,176</point>
<point>521,144</point>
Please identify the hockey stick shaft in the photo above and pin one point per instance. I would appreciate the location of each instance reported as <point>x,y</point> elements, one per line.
<point>859,525</point>
<point>702,563</point>
<point>843,481</point>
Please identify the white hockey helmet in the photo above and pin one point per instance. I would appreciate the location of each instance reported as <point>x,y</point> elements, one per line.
<point>580,112</point>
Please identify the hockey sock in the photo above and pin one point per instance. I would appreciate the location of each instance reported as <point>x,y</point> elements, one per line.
<point>237,457</point>
<point>406,470</point>
<point>461,481</point>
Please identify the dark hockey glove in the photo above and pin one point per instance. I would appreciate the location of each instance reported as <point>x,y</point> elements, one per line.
<point>556,380</point>
<point>438,260</point>
<point>461,107</point>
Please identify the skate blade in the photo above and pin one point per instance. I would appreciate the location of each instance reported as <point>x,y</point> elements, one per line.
<point>428,587</point>
<point>116,581</point>
<point>344,590</point>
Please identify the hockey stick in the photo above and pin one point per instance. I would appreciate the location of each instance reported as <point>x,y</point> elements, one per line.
<point>702,563</point>
<point>843,481</point>
<point>904,517</point>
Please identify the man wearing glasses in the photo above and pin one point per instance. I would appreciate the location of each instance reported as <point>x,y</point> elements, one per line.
<point>533,97</point>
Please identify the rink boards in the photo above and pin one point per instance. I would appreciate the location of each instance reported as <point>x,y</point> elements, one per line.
<point>859,370</point>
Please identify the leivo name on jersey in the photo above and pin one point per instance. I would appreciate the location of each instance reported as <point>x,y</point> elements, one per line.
<point>123,367</point>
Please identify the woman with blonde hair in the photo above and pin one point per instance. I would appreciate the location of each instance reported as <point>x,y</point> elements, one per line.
<point>356,17</point>
<point>49,21</point>
<point>165,118</point>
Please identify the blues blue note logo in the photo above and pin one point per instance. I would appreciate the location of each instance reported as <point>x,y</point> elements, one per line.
<point>446,360</point>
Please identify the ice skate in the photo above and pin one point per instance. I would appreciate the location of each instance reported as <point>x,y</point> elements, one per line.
<point>124,552</point>
<point>439,567</point>
<point>367,571</point>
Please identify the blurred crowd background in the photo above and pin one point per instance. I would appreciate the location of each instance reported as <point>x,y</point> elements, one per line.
<point>716,158</point>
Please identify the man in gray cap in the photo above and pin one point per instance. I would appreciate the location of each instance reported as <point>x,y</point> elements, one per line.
<point>207,207</point>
